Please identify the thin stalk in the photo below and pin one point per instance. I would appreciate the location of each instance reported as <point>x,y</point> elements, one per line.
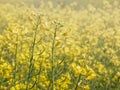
<point>53,48</point>
<point>77,82</point>
<point>32,54</point>
<point>15,61</point>
<point>1,80</point>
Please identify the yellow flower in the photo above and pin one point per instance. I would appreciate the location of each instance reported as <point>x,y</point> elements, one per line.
<point>86,87</point>
<point>83,71</point>
<point>90,74</point>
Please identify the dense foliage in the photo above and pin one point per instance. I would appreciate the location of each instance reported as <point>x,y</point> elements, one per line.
<point>59,48</point>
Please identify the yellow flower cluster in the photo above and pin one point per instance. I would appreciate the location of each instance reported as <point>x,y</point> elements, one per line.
<point>59,48</point>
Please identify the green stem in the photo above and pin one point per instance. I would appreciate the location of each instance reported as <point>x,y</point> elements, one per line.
<point>15,60</point>
<point>77,82</point>
<point>32,54</point>
<point>53,48</point>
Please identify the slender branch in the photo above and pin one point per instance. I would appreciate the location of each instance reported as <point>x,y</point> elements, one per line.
<point>57,26</point>
<point>53,48</point>
<point>77,82</point>
<point>15,60</point>
<point>32,53</point>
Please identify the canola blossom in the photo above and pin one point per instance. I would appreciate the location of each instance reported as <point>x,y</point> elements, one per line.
<point>59,48</point>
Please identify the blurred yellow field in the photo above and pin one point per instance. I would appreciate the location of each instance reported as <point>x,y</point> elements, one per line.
<point>47,45</point>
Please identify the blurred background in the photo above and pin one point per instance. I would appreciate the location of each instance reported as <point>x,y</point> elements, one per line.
<point>76,3</point>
